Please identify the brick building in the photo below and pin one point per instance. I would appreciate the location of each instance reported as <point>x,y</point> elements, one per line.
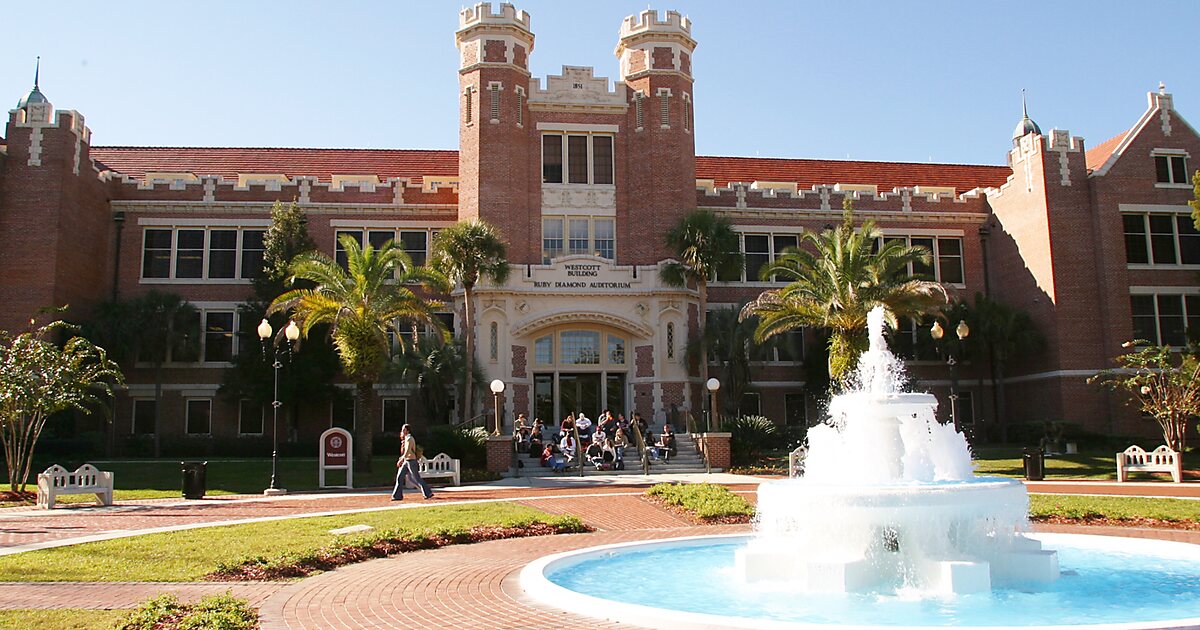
<point>584,176</point>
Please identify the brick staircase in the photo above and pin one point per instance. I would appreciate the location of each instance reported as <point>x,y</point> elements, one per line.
<point>686,461</point>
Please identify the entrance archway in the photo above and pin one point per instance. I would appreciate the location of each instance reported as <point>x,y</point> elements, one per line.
<point>580,368</point>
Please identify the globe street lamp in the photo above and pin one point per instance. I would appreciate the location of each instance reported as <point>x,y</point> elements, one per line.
<point>292,333</point>
<point>712,385</point>
<point>497,387</point>
<point>962,331</point>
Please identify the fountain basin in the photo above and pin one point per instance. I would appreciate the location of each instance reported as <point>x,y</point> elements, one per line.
<point>1108,583</point>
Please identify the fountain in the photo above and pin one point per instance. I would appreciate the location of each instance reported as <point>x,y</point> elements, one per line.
<point>899,504</point>
<point>888,528</point>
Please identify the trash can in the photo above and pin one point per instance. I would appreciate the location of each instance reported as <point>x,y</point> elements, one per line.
<point>194,482</point>
<point>1035,464</point>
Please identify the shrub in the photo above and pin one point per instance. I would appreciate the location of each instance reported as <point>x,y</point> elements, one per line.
<point>468,445</point>
<point>215,612</point>
<point>751,435</point>
<point>705,500</point>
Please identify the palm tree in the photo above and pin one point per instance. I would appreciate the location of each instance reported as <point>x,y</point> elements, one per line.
<point>469,252</point>
<point>361,304</point>
<point>707,248</point>
<point>833,285</point>
<point>438,368</point>
<point>1006,333</point>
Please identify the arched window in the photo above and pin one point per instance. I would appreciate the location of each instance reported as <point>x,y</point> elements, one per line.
<point>494,340</point>
<point>670,340</point>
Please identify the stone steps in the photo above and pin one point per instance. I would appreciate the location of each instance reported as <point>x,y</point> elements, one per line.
<point>686,460</point>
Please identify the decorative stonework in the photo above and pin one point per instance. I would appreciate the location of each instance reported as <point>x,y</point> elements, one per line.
<point>644,361</point>
<point>577,86</point>
<point>518,363</point>
<point>581,197</point>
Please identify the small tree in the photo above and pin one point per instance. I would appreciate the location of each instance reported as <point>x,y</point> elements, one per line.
<point>1164,387</point>
<point>39,379</point>
<point>1195,202</point>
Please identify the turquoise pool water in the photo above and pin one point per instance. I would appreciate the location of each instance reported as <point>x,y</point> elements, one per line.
<point>1104,581</point>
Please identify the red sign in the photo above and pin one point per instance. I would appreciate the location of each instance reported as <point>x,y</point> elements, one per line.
<point>337,449</point>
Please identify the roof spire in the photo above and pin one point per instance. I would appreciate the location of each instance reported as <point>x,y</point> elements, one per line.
<point>1026,125</point>
<point>1162,87</point>
<point>37,70</point>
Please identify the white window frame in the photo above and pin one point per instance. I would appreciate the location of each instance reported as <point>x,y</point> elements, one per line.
<point>1154,292</point>
<point>172,274</point>
<point>1150,264</point>
<point>1169,154</point>
<point>383,414</point>
<point>591,158</point>
<point>592,249</point>
<point>494,88</point>
<point>133,416</point>
<point>773,255</point>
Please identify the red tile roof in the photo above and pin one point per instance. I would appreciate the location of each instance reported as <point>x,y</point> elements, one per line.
<point>322,163</point>
<point>886,175</point>
<point>1099,154</point>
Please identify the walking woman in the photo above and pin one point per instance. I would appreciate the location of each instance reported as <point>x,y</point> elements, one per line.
<point>407,465</point>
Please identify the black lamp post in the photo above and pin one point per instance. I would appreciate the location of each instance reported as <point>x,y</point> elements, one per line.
<point>292,333</point>
<point>962,330</point>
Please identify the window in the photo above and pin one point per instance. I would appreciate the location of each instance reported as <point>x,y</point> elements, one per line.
<point>587,159</point>
<point>579,347</point>
<point>468,109</point>
<point>254,249</point>
<point>189,254</point>
<point>494,341</point>
<point>947,257</point>
<point>520,107</point>
<point>199,416</point>
<point>543,350</point>
<point>552,159</point>
<point>670,340</point>
<point>143,417</point>
<point>414,242</point>
<point>416,245</point>
<point>1171,169</point>
<point>202,254</point>
<point>222,253</point>
<point>341,411</point>
<point>664,99</point>
<point>616,350</point>
<point>965,409</point>
<point>602,159</point>
<point>156,254</point>
<point>552,239</point>
<point>638,114</point>
<point>687,112</point>
<point>1161,239</point>
<point>1165,319</point>
<point>577,159</point>
<point>750,405</point>
<point>911,341</point>
<point>251,418</point>
<point>795,410</point>
<point>760,250</point>
<point>578,240</point>
<point>584,235</point>
<point>782,348</point>
<point>495,91</point>
<point>395,414</point>
<point>218,336</point>
<point>604,237</point>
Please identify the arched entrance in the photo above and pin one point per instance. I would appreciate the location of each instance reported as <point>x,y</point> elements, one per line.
<point>580,368</point>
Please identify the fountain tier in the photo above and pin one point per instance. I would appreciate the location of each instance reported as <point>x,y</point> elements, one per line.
<point>889,500</point>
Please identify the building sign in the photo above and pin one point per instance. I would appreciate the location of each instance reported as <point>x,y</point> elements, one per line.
<point>582,273</point>
<point>337,453</point>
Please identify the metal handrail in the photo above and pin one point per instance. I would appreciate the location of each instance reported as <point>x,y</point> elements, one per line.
<point>479,420</point>
<point>643,454</point>
<point>578,449</point>
<point>690,421</point>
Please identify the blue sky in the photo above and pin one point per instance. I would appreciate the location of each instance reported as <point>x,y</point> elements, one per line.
<point>906,81</point>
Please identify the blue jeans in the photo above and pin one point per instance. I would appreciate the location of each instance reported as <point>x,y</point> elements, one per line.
<point>409,468</point>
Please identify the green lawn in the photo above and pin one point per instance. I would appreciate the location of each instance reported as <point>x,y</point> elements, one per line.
<point>1119,508</point>
<point>62,619</point>
<point>191,554</point>
<point>1007,461</point>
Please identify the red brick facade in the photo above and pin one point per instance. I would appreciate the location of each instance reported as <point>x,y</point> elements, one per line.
<point>1047,228</point>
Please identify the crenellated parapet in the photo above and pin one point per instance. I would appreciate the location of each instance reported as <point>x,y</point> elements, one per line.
<point>41,117</point>
<point>650,45</point>
<point>784,199</point>
<point>1054,158</point>
<point>498,38</point>
<point>354,193</point>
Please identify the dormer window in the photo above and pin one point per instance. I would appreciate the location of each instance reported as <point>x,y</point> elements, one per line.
<point>1171,168</point>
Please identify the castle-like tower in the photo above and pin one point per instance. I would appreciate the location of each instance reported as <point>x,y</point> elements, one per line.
<point>656,67</point>
<point>497,142</point>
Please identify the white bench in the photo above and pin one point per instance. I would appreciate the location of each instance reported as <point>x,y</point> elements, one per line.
<point>1163,459</point>
<point>442,466</point>
<point>796,461</point>
<point>57,481</point>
